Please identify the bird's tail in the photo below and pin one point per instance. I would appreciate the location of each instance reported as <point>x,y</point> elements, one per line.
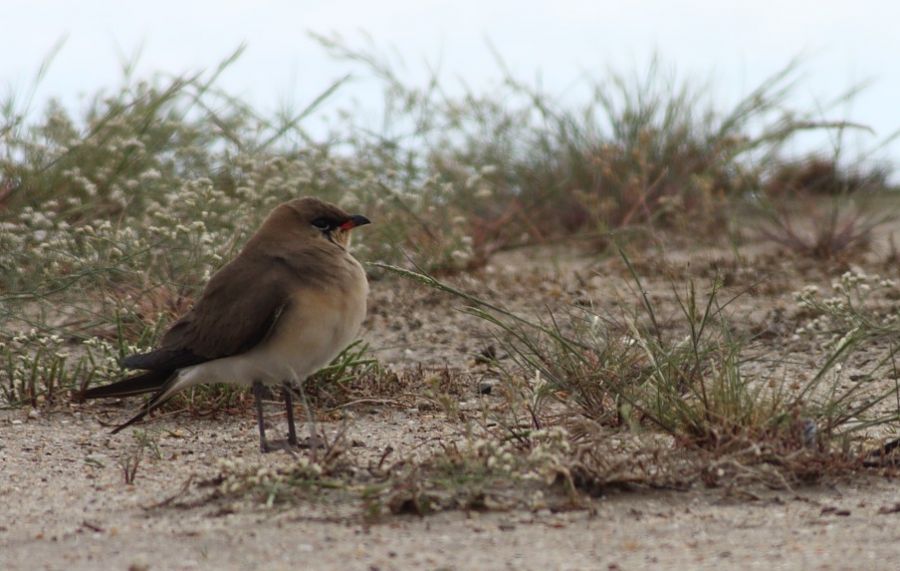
<point>150,405</point>
<point>139,384</point>
<point>160,382</point>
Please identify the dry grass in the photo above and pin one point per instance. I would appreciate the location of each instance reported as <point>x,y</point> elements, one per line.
<point>112,220</point>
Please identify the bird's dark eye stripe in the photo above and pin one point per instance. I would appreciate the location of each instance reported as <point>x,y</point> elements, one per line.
<point>322,223</point>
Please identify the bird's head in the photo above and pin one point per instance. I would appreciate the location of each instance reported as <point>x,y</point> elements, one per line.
<point>324,221</point>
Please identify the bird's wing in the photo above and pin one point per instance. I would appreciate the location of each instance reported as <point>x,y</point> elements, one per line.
<point>237,310</point>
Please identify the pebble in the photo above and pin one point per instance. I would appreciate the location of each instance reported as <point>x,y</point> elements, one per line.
<point>487,387</point>
<point>96,459</point>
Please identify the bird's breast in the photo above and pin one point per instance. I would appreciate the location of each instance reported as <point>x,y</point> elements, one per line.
<point>319,323</point>
<point>316,324</point>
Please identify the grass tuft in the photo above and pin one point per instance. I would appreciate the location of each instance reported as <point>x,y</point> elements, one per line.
<point>693,380</point>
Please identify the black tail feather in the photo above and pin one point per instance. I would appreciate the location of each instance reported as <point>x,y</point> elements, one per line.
<point>144,410</point>
<point>159,398</point>
<point>139,384</point>
<point>151,381</point>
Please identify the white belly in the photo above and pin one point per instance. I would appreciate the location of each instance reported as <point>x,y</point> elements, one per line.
<point>309,336</point>
<point>314,328</point>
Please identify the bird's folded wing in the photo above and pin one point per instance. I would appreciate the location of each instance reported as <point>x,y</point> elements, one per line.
<point>237,310</point>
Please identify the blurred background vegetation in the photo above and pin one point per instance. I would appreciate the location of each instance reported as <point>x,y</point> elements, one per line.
<point>112,218</point>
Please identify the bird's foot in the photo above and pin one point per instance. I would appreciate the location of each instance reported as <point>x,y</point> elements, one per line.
<point>275,445</point>
<point>292,445</point>
<point>315,441</point>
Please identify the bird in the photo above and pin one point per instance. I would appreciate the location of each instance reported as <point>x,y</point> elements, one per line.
<point>290,301</point>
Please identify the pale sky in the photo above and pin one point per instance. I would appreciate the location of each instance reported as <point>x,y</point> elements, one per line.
<point>733,45</point>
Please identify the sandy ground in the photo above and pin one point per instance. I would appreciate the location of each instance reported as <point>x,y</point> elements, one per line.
<point>64,503</point>
<point>65,506</point>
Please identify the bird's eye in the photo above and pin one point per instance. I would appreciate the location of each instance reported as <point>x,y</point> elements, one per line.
<point>321,224</point>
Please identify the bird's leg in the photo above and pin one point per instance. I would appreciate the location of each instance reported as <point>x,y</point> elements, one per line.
<point>257,394</point>
<point>289,405</point>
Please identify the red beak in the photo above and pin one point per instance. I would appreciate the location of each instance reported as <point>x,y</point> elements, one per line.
<point>354,221</point>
